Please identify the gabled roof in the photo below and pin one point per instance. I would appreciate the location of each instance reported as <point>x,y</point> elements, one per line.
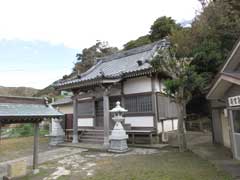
<point>227,75</point>
<point>117,66</point>
<point>223,83</point>
<point>25,110</point>
<point>233,60</point>
<point>15,109</point>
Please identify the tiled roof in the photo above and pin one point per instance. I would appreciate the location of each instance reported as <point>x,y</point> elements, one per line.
<point>27,110</point>
<point>119,64</point>
<point>235,75</point>
<point>65,100</point>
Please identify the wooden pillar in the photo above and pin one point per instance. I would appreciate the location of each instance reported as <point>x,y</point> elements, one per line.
<point>75,120</point>
<point>122,94</point>
<point>154,105</point>
<point>35,147</point>
<point>163,126</point>
<point>0,132</point>
<point>106,117</point>
<point>94,112</point>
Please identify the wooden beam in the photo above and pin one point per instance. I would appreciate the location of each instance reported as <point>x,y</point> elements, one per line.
<point>85,95</point>
<point>106,117</point>
<point>75,120</point>
<point>35,147</point>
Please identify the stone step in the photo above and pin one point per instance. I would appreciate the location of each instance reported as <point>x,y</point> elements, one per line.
<point>97,141</point>
<point>93,132</point>
<point>91,137</point>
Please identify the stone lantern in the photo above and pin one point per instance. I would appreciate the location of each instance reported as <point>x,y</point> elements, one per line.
<point>57,134</point>
<point>118,138</point>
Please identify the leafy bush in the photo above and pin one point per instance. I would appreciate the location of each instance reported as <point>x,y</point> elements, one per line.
<point>25,130</point>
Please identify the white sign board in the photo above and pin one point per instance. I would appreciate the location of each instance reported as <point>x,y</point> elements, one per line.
<point>234,101</point>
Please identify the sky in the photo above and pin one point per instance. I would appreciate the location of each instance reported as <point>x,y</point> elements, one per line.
<point>40,38</point>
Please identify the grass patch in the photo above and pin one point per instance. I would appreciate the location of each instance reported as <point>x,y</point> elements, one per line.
<point>165,165</point>
<point>23,130</point>
<point>17,147</point>
<point>170,166</point>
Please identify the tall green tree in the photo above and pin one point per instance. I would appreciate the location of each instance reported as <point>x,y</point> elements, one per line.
<point>162,27</point>
<point>87,58</point>
<point>143,40</point>
<point>214,32</point>
<point>182,82</point>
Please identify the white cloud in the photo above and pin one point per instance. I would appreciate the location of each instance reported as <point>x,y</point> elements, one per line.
<point>37,79</point>
<point>76,24</point>
<point>79,23</point>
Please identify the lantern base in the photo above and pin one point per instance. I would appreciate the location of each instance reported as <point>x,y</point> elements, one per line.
<point>55,140</point>
<point>118,145</point>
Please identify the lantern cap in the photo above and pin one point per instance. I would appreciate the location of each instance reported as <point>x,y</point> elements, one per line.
<point>118,108</point>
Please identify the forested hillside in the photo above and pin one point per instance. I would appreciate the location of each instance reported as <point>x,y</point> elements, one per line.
<point>17,91</point>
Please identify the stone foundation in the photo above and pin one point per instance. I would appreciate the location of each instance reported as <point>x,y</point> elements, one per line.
<point>118,145</point>
<point>54,140</point>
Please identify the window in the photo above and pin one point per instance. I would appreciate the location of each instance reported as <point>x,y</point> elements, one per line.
<point>236,121</point>
<point>139,103</point>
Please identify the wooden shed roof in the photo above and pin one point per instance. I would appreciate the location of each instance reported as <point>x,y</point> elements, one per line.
<point>25,110</point>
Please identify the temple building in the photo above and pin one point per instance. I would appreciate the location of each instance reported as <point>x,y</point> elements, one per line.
<point>128,77</point>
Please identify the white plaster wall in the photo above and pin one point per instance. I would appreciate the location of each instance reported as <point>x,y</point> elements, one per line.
<point>137,85</point>
<point>162,87</point>
<point>140,121</point>
<point>157,85</point>
<point>167,125</point>
<point>175,124</point>
<point>85,122</point>
<point>65,109</point>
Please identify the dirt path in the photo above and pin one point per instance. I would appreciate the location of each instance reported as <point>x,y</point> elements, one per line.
<point>43,157</point>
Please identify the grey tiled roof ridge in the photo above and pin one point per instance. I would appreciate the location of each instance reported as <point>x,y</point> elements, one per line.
<point>125,53</point>
<point>120,74</point>
<point>99,79</point>
<point>116,56</point>
<point>30,110</point>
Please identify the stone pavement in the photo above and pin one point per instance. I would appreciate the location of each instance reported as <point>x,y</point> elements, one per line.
<point>100,147</point>
<point>201,144</point>
<point>43,157</point>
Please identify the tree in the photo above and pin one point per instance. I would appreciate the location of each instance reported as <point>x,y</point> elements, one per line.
<point>182,82</point>
<point>163,27</point>
<point>143,40</point>
<point>213,33</point>
<point>87,58</point>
